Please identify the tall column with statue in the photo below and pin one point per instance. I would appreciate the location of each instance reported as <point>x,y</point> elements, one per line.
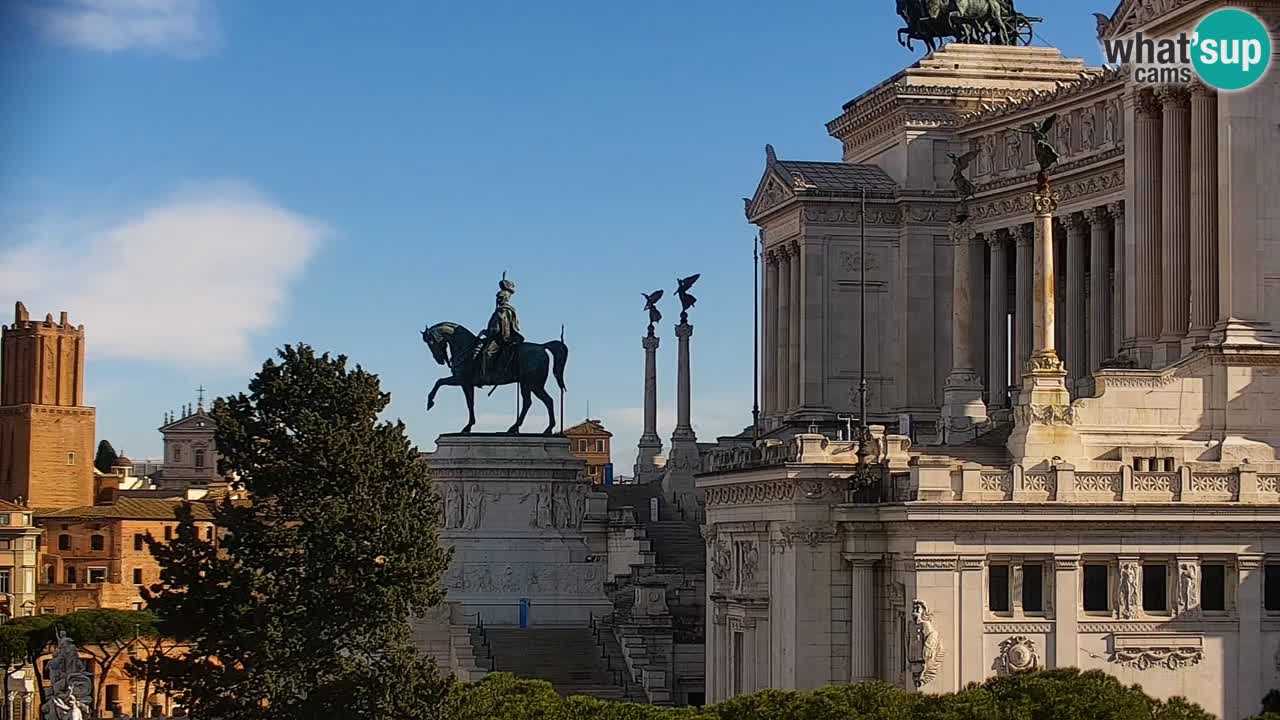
<point>962,406</point>
<point>650,445</point>
<point>684,460</point>
<point>1043,417</point>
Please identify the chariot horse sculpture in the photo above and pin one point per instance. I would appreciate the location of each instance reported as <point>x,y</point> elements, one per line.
<point>499,355</point>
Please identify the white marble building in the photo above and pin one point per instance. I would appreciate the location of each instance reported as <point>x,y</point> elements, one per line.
<point>1109,494</point>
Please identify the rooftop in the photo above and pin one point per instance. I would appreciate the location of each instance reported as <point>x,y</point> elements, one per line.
<point>128,508</point>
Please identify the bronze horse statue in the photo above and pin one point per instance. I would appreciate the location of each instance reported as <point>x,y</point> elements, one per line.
<point>525,363</point>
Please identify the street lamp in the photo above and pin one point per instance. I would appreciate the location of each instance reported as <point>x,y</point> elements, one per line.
<point>861,475</point>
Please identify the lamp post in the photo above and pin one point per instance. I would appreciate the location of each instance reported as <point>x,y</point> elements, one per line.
<point>862,473</point>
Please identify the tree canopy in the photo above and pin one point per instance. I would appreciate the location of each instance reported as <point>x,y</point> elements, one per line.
<point>301,607</point>
<point>106,457</point>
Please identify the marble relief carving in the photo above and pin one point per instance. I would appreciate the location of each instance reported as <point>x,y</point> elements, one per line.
<point>1187,599</point>
<point>929,650</point>
<point>1018,654</point>
<point>1168,658</point>
<point>1127,590</point>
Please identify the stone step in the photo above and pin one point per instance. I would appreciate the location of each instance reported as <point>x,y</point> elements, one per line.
<point>568,658</point>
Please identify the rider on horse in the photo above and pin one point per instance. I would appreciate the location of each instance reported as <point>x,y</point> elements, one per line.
<point>503,329</point>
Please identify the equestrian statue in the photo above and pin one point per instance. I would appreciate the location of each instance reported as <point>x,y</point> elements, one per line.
<point>499,355</point>
<point>982,22</point>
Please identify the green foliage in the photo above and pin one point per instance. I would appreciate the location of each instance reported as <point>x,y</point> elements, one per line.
<point>106,457</point>
<point>1047,695</point>
<point>302,608</point>
<point>1271,703</point>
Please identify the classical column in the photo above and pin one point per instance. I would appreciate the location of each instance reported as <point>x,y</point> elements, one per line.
<point>1077,331</point>
<point>782,349</point>
<point>683,460</point>
<point>998,323</point>
<point>1119,325</point>
<point>962,392</point>
<point>1146,226</point>
<point>978,306</point>
<point>684,427</point>
<point>1204,214</point>
<point>770,334</point>
<point>1023,277</point>
<point>1175,220</point>
<point>1099,297</point>
<point>862,619</point>
<point>650,444</point>
<point>797,330</point>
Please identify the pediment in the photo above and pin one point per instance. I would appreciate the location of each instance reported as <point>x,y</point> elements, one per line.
<point>772,191</point>
<point>1133,15</point>
<point>199,422</point>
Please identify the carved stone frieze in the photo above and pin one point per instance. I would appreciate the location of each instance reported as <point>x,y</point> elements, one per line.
<point>1025,628</point>
<point>811,535</point>
<point>1168,658</point>
<point>1044,414</point>
<point>830,214</point>
<point>933,562</point>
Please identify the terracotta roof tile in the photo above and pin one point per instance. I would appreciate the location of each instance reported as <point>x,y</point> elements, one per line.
<point>128,508</point>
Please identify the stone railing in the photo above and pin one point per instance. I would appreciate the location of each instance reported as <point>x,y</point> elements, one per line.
<point>885,449</point>
<point>938,482</point>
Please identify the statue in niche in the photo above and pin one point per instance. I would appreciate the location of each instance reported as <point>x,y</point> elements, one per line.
<point>1188,598</point>
<point>577,505</point>
<point>453,508</point>
<point>1109,120</point>
<point>541,516</point>
<point>1013,150</point>
<point>1127,602</point>
<point>1086,128</point>
<point>928,644</point>
<point>561,506</point>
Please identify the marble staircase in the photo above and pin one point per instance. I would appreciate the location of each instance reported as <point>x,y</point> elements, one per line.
<point>570,658</point>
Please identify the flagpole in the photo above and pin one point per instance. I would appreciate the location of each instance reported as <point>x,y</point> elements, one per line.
<point>561,389</point>
<point>755,344</point>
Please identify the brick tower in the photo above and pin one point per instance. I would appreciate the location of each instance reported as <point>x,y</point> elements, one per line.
<point>46,432</point>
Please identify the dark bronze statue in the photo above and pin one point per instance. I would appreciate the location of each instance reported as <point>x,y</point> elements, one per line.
<point>499,355</point>
<point>984,22</point>
<point>1046,153</point>
<point>959,163</point>
<point>686,300</point>
<point>651,305</point>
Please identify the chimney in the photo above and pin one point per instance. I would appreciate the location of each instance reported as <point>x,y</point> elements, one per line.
<point>20,313</point>
<point>62,319</point>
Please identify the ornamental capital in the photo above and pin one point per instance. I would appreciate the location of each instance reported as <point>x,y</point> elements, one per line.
<point>1173,96</point>
<point>1116,209</point>
<point>1044,203</point>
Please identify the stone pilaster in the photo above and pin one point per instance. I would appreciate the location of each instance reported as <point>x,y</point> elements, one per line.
<point>1121,323</point>
<point>962,393</point>
<point>782,349</point>
<point>972,606</point>
<point>1175,221</point>
<point>1249,661</point>
<point>998,322</point>
<point>862,619</point>
<point>1100,316</point>
<point>1077,332</point>
<point>650,445</point>
<point>1023,280</point>
<point>1204,214</point>
<point>1043,418</point>
<point>770,354</point>
<point>1146,263</point>
<point>796,337</point>
<point>1066,603</point>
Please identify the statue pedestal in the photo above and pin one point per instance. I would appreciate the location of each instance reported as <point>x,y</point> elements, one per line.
<point>524,524</point>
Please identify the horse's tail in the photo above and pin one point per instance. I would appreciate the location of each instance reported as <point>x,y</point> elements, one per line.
<point>559,356</point>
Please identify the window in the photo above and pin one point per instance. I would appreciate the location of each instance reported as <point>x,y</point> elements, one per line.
<point>97,542</point>
<point>168,532</point>
<point>64,542</point>
<point>582,446</point>
<point>1096,593</point>
<point>113,695</point>
<point>199,458</point>
<point>1271,588</point>
<point>177,453</point>
<point>998,588</point>
<point>1155,587</point>
<point>137,576</point>
<point>47,611</point>
<point>50,574</point>
<point>4,518</point>
<point>1033,588</point>
<point>139,541</point>
<point>599,446</point>
<point>71,575</point>
<point>1213,588</point>
<point>6,580</point>
<point>71,458</point>
<point>97,576</point>
<point>208,533</point>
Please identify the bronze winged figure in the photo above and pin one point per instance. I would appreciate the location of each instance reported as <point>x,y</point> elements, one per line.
<point>651,305</point>
<point>686,300</point>
<point>959,163</point>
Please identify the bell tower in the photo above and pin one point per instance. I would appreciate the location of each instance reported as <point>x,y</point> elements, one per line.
<point>46,431</point>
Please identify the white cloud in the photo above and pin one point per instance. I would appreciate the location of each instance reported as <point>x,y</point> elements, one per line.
<point>182,28</point>
<point>187,281</point>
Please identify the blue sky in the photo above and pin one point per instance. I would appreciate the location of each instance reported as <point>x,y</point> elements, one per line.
<point>200,182</point>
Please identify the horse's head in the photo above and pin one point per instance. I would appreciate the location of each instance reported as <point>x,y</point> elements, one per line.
<point>435,341</point>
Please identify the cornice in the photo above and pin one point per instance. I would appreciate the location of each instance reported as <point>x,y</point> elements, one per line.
<point>1037,101</point>
<point>947,101</point>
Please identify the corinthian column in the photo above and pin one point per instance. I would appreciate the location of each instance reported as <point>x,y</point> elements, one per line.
<point>650,444</point>
<point>1204,214</point>
<point>1119,323</point>
<point>1076,350</point>
<point>1175,276</point>
<point>1146,209</point>
<point>1023,273</point>
<point>962,393</point>
<point>770,334</point>
<point>782,349</point>
<point>797,332</point>
<point>1099,298</point>
<point>998,323</point>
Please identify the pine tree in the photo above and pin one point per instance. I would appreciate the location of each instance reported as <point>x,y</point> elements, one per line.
<point>302,609</point>
<point>106,457</point>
